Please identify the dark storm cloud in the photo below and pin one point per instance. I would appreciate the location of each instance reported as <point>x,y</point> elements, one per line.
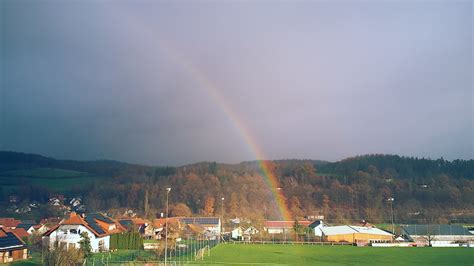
<point>310,80</point>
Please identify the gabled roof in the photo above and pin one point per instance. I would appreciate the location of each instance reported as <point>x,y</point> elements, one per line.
<point>196,228</point>
<point>26,226</point>
<point>435,229</point>
<point>9,222</point>
<point>97,223</point>
<point>159,223</point>
<point>316,224</point>
<point>284,224</point>
<point>10,241</point>
<point>20,232</point>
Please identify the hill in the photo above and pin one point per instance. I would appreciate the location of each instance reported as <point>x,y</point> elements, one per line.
<point>355,188</point>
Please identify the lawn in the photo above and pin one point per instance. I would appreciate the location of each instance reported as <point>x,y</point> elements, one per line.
<point>336,255</point>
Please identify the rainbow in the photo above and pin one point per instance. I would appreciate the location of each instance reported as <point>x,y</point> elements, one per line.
<point>265,166</point>
<point>212,89</point>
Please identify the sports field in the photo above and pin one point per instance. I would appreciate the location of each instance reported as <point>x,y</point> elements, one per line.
<point>240,254</point>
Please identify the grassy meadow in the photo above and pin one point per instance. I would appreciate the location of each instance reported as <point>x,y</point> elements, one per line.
<point>229,254</point>
<point>55,179</point>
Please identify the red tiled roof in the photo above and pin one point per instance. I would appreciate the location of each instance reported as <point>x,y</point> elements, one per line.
<point>9,222</point>
<point>284,224</point>
<point>75,219</point>
<point>20,232</point>
<point>161,221</point>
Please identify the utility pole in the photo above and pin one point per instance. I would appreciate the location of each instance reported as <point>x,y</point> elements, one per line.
<point>166,225</point>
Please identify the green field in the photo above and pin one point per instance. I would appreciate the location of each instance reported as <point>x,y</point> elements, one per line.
<point>240,254</point>
<point>236,254</point>
<point>53,178</point>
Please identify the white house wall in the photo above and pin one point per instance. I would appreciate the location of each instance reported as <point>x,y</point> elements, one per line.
<point>72,239</point>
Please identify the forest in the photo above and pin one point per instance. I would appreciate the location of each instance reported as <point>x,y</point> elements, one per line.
<point>357,188</point>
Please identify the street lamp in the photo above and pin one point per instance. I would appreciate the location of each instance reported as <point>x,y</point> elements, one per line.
<point>166,224</point>
<point>391,212</point>
<point>222,213</point>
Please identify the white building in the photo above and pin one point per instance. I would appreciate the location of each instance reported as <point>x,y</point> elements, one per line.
<point>244,233</point>
<point>67,234</point>
<point>317,226</point>
<point>438,235</point>
<point>211,224</point>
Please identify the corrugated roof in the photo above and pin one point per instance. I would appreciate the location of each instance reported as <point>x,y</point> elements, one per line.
<point>200,220</point>
<point>349,229</point>
<point>435,229</point>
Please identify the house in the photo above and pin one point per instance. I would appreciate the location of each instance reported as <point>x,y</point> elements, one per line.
<point>12,248</point>
<point>75,202</point>
<point>38,229</point>
<point>437,235</point>
<point>316,226</point>
<point>359,235</point>
<point>27,225</point>
<point>160,224</point>
<point>9,223</point>
<point>212,224</point>
<point>97,226</point>
<point>280,227</point>
<point>32,227</point>
<point>195,231</point>
<point>244,233</point>
<point>143,226</point>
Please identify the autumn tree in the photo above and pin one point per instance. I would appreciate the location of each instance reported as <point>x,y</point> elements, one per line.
<point>325,205</point>
<point>209,206</point>
<point>234,204</point>
<point>180,209</point>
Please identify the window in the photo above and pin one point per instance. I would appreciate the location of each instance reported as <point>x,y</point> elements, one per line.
<point>101,245</point>
<point>73,231</point>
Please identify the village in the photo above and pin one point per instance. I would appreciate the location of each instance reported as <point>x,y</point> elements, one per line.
<point>173,236</point>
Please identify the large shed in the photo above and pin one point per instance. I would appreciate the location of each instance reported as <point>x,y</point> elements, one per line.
<point>355,234</point>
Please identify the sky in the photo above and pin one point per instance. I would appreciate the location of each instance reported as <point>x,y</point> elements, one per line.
<point>171,83</point>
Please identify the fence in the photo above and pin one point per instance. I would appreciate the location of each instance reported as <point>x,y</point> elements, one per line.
<point>178,253</point>
<point>282,242</point>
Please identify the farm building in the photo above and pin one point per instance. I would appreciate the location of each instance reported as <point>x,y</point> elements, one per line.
<point>12,248</point>
<point>316,226</point>
<point>280,227</point>
<point>355,234</point>
<point>98,227</point>
<point>244,233</point>
<point>211,224</point>
<point>438,235</point>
